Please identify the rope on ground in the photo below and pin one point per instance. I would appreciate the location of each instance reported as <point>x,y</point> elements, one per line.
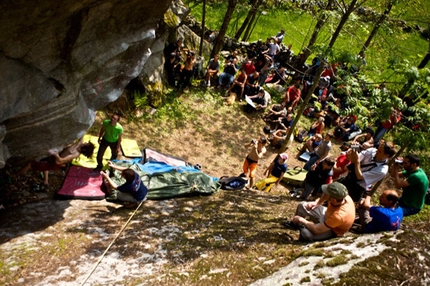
<point>112,243</point>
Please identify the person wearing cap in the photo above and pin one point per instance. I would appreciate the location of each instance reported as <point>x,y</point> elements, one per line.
<point>275,173</point>
<point>258,149</point>
<point>386,217</point>
<point>332,221</point>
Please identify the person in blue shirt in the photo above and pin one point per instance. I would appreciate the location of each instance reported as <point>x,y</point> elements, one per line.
<point>386,217</point>
<point>133,191</point>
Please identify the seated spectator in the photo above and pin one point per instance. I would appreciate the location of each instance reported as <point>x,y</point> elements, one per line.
<point>238,85</point>
<point>261,100</point>
<point>320,153</point>
<point>275,112</point>
<point>292,95</point>
<point>345,128</point>
<point>386,217</point>
<point>342,161</point>
<point>317,127</point>
<point>226,78</point>
<point>414,182</point>
<point>386,125</point>
<point>272,48</point>
<point>212,70</point>
<point>332,221</point>
<point>248,68</point>
<point>275,173</point>
<point>278,77</point>
<point>277,138</point>
<point>316,177</point>
<point>367,168</point>
<point>365,140</point>
<point>284,122</point>
<point>311,144</point>
<point>251,85</point>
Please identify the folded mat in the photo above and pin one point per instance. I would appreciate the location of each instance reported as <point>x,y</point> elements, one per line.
<point>130,148</point>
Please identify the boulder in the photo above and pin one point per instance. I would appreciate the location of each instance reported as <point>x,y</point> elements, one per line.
<point>61,62</point>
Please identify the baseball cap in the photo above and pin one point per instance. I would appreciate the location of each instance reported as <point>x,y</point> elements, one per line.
<point>335,190</point>
<point>283,156</point>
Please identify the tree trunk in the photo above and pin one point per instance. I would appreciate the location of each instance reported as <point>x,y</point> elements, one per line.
<point>376,27</point>
<point>320,23</point>
<point>247,19</point>
<point>250,27</point>
<point>223,30</point>
<point>202,36</point>
<point>426,58</point>
<point>315,81</point>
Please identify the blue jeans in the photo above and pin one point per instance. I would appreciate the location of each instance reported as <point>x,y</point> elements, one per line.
<point>407,211</point>
<point>312,160</point>
<point>226,79</point>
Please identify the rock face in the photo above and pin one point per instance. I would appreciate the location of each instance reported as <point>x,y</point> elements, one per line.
<point>61,61</point>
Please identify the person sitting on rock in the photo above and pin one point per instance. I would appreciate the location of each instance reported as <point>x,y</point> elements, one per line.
<point>226,78</point>
<point>275,172</point>
<point>386,217</point>
<point>331,221</point>
<point>57,160</point>
<point>251,84</point>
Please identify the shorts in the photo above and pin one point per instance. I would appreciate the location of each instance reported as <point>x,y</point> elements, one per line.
<point>251,166</point>
<point>45,164</point>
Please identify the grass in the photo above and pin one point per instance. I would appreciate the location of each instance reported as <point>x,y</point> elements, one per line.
<point>390,42</point>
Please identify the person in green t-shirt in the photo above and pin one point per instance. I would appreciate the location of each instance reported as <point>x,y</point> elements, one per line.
<point>414,182</point>
<point>110,136</point>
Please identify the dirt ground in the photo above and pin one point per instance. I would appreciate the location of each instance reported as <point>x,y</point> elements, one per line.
<point>229,238</point>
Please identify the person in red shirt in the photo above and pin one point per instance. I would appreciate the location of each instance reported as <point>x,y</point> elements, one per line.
<point>292,95</point>
<point>386,125</point>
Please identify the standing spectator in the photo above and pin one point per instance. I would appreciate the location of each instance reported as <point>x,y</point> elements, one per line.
<point>386,217</point>
<point>275,172</point>
<point>321,153</point>
<point>172,60</point>
<point>331,221</point>
<point>212,69</point>
<point>414,183</point>
<point>292,95</point>
<point>133,191</point>
<point>258,149</point>
<point>110,136</point>
<point>187,71</point>
<point>280,36</point>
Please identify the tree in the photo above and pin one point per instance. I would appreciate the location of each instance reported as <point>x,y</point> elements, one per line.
<point>320,23</point>
<point>202,36</point>
<point>381,20</point>
<point>249,18</point>
<point>223,30</point>
<point>347,12</point>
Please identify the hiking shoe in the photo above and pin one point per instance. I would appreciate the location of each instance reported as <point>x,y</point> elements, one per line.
<point>291,225</point>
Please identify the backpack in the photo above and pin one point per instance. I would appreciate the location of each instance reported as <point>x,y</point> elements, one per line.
<point>302,135</point>
<point>295,177</point>
<point>232,183</point>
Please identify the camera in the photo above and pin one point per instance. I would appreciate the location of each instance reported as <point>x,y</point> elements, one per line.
<point>398,161</point>
<point>355,147</point>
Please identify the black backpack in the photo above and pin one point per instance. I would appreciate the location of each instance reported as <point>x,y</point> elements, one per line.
<point>232,183</point>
